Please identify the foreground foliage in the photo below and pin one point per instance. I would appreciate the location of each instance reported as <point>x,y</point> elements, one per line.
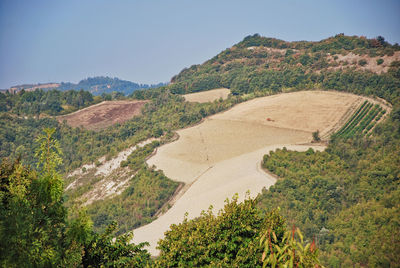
<point>239,236</point>
<point>35,230</point>
<point>291,253</point>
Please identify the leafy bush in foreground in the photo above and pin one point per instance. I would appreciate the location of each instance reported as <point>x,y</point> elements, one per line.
<point>234,238</point>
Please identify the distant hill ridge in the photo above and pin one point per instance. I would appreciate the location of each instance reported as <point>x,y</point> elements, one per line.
<point>95,85</point>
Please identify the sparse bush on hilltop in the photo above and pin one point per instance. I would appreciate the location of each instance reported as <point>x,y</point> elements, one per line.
<point>362,62</point>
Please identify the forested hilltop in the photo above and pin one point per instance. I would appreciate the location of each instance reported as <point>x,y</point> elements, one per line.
<point>346,199</point>
<point>259,64</point>
<point>106,85</point>
<point>98,85</point>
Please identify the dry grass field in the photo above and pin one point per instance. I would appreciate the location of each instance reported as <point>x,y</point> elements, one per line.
<point>207,96</point>
<point>104,114</point>
<point>222,155</point>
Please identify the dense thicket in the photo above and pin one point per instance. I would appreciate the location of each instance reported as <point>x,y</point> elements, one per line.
<point>51,102</point>
<point>36,230</point>
<point>106,85</point>
<point>347,197</point>
<point>239,236</point>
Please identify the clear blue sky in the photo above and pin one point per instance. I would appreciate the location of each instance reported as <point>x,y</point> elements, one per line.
<point>149,41</point>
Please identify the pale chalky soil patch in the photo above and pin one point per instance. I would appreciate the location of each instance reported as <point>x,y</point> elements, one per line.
<point>207,96</point>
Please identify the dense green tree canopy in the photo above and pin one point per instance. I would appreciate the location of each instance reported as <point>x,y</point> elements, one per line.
<point>239,236</point>
<point>347,197</point>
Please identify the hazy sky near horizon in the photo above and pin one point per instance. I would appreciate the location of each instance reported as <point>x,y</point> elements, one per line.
<point>150,41</point>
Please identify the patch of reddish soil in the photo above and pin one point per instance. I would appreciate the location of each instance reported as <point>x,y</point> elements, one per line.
<point>104,114</point>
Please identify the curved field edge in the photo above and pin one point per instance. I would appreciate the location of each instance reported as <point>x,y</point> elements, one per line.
<point>211,190</point>
<point>202,189</point>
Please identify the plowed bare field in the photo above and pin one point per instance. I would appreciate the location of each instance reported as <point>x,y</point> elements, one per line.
<point>104,114</point>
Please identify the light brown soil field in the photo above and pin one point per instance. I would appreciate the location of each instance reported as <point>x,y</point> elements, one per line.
<point>235,175</point>
<point>305,111</point>
<point>104,114</point>
<point>222,155</point>
<point>207,96</point>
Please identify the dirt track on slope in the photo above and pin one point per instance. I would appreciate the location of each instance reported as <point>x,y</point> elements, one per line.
<point>222,155</point>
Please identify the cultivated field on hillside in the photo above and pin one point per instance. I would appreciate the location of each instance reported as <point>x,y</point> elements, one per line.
<point>222,155</point>
<point>104,114</point>
<point>209,95</point>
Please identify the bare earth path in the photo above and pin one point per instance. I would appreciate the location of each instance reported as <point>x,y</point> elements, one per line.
<point>222,156</point>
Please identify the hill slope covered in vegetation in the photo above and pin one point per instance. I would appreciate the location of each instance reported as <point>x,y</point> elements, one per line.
<point>106,85</point>
<point>347,197</point>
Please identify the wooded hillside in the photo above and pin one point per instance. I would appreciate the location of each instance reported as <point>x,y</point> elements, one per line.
<point>346,198</point>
